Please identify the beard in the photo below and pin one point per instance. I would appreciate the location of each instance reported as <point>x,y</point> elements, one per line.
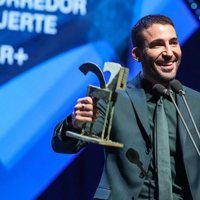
<point>158,74</point>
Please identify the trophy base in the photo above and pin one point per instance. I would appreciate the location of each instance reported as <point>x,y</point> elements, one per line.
<point>94,139</point>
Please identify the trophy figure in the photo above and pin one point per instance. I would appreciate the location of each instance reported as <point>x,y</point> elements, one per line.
<point>106,92</point>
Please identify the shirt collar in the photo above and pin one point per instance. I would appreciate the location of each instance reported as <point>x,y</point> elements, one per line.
<point>147,86</point>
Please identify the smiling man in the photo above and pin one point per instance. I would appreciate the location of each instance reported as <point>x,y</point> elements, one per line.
<point>158,49</point>
<point>158,160</point>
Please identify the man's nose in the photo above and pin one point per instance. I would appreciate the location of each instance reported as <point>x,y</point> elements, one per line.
<point>168,51</point>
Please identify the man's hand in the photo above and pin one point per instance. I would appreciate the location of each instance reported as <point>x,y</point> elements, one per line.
<point>85,110</point>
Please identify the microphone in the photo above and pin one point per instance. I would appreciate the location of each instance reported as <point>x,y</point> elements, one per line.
<point>160,90</point>
<point>133,157</point>
<point>176,86</point>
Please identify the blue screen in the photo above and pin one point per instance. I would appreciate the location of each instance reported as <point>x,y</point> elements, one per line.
<point>42,45</point>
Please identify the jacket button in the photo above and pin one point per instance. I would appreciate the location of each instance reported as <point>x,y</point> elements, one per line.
<point>141,175</point>
<point>147,151</point>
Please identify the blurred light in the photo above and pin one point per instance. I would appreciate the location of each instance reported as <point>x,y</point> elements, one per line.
<point>194,6</point>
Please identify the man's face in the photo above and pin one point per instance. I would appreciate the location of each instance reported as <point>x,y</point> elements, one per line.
<point>161,53</point>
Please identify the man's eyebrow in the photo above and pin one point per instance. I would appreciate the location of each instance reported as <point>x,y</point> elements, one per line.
<point>174,38</point>
<point>158,41</point>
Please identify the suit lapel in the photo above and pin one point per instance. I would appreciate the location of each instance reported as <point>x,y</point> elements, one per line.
<point>182,130</point>
<point>190,156</point>
<point>138,99</point>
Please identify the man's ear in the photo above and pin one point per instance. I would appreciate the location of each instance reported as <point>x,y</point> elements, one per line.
<point>136,54</point>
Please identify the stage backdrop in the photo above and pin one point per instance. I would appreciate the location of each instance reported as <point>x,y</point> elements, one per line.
<point>42,45</point>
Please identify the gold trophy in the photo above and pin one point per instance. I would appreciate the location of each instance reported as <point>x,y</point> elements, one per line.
<point>106,92</point>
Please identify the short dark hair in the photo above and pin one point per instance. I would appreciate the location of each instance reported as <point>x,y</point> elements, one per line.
<point>144,23</point>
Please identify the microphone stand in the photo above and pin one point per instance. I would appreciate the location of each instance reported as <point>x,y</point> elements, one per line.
<point>159,90</point>
<point>184,123</point>
<point>182,94</point>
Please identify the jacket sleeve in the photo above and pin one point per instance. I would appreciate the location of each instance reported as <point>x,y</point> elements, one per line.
<point>63,144</point>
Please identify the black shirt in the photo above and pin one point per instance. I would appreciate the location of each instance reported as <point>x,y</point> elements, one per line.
<point>179,181</point>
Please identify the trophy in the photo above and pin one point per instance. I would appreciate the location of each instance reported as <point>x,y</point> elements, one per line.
<point>106,92</point>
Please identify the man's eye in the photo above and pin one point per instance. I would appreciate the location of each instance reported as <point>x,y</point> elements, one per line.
<point>174,43</point>
<point>156,45</point>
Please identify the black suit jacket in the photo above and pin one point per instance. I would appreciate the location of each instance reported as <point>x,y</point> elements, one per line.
<point>125,168</point>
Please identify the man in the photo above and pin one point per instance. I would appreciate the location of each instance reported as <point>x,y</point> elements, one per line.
<point>132,172</point>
